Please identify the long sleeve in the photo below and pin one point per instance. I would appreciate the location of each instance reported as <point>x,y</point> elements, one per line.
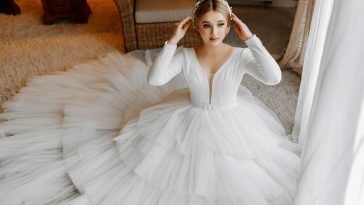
<point>166,65</point>
<point>260,64</point>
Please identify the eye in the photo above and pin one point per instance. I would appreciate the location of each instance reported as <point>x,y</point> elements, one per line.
<point>221,24</point>
<point>206,25</point>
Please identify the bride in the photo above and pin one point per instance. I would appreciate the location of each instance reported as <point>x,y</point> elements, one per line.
<point>118,131</point>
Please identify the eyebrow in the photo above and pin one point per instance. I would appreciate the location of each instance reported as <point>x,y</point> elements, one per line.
<point>209,22</point>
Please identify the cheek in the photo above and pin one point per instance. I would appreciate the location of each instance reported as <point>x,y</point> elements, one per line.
<point>204,32</point>
<point>223,31</point>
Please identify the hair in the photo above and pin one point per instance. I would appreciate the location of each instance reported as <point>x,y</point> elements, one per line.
<point>211,5</point>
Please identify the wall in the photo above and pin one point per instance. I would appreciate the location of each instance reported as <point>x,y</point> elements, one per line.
<point>275,3</point>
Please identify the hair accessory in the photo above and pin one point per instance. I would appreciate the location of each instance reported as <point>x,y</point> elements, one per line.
<point>200,1</point>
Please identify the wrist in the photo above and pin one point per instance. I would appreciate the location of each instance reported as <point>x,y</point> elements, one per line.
<point>173,41</point>
<point>247,37</point>
<point>253,40</point>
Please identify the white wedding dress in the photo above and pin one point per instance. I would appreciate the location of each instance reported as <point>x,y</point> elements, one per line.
<point>120,130</point>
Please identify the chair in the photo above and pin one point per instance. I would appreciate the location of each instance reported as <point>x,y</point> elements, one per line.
<point>147,24</point>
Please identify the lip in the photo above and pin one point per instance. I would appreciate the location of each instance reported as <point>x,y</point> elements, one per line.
<point>213,39</point>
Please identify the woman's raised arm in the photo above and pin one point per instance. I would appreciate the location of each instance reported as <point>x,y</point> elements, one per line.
<point>260,64</point>
<point>256,60</point>
<point>166,65</point>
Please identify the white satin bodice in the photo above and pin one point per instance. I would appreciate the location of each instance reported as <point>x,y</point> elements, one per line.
<point>224,83</point>
<point>254,60</point>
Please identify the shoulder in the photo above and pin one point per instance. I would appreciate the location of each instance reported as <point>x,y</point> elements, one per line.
<point>182,55</point>
<point>185,49</point>
<point>185,52</point>
<point>244,52</point>
<point>181,50</point>
<point>240,51</point>
<point>243,55</point>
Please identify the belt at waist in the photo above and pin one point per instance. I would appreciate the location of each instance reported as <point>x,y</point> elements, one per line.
<point>207,106</point>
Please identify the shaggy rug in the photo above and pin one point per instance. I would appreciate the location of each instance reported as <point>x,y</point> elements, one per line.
<point>29,48</point>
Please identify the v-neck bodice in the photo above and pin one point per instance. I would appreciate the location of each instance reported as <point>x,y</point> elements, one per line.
<point>209,78</point>
<point>219,68</point>
<point>221,90</point>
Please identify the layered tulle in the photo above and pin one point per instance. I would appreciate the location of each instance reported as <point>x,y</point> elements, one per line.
<point>99,134</point>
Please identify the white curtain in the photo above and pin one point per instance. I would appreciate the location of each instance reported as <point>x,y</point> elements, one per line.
<point>311,64</point>
<point>329,120</point>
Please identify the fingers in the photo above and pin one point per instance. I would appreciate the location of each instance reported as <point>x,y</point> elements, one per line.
<point>184,21</point>
<point>236,18</point>
<point>185,27</point>
<point>234,15</point>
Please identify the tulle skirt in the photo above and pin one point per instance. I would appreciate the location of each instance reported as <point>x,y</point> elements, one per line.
<point>100,134</point>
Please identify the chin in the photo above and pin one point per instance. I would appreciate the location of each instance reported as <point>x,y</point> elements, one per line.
<point>215,43</point>
<point>208,42</point>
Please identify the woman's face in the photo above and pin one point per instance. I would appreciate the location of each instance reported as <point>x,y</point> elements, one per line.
<point>213,28</point>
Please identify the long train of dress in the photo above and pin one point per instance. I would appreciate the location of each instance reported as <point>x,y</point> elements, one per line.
<point>99,134</point>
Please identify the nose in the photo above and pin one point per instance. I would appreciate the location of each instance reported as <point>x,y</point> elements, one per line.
<point>214,30</point>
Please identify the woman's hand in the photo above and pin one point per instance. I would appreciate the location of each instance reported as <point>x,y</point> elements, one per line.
<point>180,30</point>
<point>241,28</point>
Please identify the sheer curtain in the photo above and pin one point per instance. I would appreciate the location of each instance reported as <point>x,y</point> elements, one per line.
<point>313,54</point>
<point>330,111</point>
